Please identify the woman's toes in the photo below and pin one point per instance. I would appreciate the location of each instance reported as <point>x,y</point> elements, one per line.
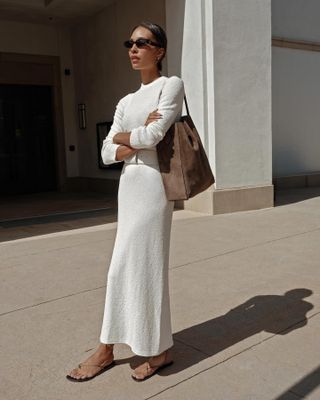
<point>75,374</point>
<point>138,376</point>
<point>137,373</point>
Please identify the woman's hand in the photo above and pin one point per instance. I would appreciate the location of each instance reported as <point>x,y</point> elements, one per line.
<point>123,138</point>
<point>153,116</point>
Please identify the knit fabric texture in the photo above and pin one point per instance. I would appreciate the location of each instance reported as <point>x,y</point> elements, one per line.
<point>137,302</point>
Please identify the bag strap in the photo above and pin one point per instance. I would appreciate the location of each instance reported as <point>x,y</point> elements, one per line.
<point>187,108</point>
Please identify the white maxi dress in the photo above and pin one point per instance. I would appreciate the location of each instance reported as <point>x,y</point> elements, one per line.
<point>137,303</point>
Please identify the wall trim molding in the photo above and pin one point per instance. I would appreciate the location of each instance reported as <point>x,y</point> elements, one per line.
<point>297,181</point>
<point>295,44</point>
<point>221,201</point>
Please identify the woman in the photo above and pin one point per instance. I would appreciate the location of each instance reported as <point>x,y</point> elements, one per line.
<point>137,306</point>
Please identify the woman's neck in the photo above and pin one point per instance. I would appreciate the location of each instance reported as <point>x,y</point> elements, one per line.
<point>149,76</point>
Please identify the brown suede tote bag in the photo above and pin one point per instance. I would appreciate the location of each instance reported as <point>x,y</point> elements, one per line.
<point>183,163</point>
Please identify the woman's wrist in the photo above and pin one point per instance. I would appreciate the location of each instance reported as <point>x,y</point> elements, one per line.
<point>124,151</point>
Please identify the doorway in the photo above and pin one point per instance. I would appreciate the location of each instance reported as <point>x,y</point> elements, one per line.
<point>27,140</point>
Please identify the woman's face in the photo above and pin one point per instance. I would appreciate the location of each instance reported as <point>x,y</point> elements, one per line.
<point>147,56</point>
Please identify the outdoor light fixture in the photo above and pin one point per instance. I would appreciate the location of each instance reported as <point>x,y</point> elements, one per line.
<point>82,116</point>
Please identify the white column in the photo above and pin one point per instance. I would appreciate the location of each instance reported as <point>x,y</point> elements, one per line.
<point>222,51</point>
<point>190,55</point>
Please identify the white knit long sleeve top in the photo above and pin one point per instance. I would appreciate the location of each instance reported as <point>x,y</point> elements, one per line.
<point>165,94</point>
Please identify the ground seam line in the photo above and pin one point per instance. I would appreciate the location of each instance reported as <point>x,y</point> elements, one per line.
<point>58,249</point>
<point>52,300</point>
<point>243,248</point>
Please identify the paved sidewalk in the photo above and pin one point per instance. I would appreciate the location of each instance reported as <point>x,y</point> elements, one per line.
<point>245,308</point>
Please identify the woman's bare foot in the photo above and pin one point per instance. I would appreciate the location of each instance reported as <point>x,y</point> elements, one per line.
<point>102,357</point>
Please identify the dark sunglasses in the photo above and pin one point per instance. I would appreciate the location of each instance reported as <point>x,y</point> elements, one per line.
<point>139,43</point>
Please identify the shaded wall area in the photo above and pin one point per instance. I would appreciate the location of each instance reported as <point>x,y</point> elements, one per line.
<point>103,73</point>
<point>25,38</point>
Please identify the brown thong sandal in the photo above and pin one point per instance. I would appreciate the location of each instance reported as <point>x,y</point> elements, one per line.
<point>152,369</point>
<point>103,369</point>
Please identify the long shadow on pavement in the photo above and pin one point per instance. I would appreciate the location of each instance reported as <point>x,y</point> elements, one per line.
<point>277,314</point>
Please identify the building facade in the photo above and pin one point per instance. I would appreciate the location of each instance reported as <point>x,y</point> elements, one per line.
<point>249,70</point>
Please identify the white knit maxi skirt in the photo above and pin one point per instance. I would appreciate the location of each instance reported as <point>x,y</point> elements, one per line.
<point>137,303</point>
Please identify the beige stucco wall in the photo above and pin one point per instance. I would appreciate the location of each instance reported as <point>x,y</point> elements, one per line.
<point>242,81</point>
<point>103,73</point>
<point>24,37</point>
<point>38,39</point>
<point>295,90</point>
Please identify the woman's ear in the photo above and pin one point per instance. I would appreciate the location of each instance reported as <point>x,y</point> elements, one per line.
<point>161,54</point>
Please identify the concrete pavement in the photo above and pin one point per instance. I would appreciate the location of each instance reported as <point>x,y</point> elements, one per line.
<point>245,304</point>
